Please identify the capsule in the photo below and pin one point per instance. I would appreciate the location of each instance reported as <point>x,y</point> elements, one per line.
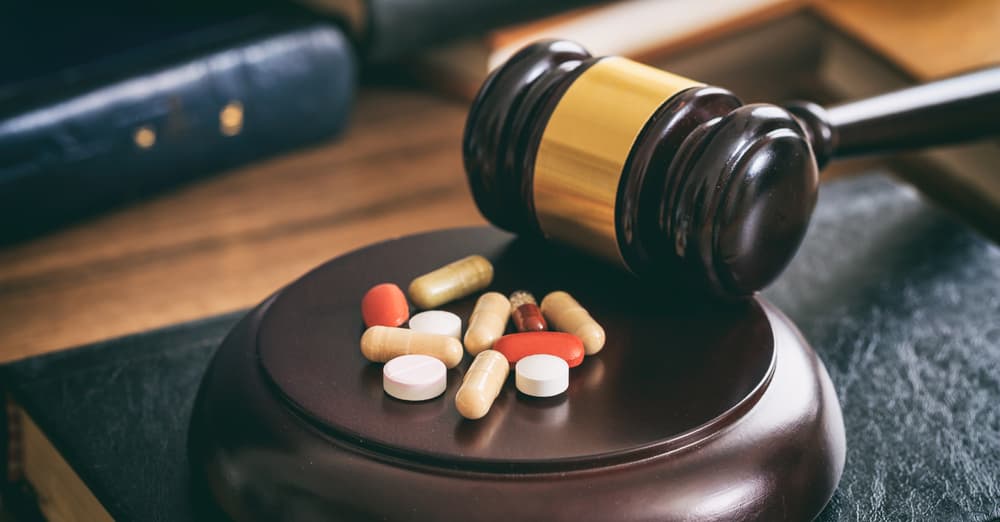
<point>482,384</point>
<point>384,305</point>
<point>383,343</point>
<point>452,281</point>
<point>566,315</point>
<point>524,310</point>
<point>560,344</point>
<point>487,322</point>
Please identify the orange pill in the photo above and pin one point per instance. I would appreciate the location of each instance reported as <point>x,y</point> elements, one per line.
<point>520,345</point>
<point>384,305</point>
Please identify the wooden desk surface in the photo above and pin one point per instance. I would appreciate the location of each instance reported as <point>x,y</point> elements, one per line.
<point>226,243</point>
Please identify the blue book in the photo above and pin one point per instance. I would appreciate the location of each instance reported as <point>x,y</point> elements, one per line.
<point>122,106</point>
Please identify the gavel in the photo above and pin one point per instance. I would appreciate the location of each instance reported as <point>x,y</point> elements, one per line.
<point>676,181</point>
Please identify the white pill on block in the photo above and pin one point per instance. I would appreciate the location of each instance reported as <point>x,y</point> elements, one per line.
<point>542,375</point>
<point>414,377</point>
<point>437,322</point>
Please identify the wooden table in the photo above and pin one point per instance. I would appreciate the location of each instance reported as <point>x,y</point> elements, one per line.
<point>227,242</point>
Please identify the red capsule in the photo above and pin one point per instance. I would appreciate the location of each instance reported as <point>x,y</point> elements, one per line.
<point>519,345</point>
<point>525,313</point>
<point>384,305</point>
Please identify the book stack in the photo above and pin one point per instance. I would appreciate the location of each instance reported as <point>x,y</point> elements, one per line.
<point>644,30</point>
<point>109,103</point>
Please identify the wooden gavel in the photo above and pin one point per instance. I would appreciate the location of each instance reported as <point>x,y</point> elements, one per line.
<point>676,181</point>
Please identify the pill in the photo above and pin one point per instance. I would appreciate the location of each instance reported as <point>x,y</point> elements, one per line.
<point>541,375</point>
<point>560,344</point>
<point>437,322</point>
<point>384,305</point>
<point>384,343</point>
<point>566,315</point>
<point>414,377</point>
<point>452,281</point>
<point>482,384</point>
<point>487,323</point>
<point>524,310</point>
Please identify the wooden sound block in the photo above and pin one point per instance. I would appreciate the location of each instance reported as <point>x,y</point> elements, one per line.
<point>693,411</point>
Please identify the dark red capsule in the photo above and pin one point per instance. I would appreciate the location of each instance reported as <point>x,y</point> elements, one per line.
<point>525,313</point>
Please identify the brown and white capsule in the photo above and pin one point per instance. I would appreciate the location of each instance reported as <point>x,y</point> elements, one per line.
<point>487,322</point>
<point>525,313</point>
<point>482,384</point>
<point>383,343</point>
<point>566,315</point>
<point>450,282</point>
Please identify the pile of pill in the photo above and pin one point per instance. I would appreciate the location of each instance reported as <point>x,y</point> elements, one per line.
<point>417,358</point>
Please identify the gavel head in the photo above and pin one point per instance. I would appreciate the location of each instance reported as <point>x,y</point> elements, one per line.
<point>673,180</point>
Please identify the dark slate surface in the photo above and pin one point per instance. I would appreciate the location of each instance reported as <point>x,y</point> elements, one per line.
<point>901,302</point>
<point>119,412</point>
<point>903,305</point>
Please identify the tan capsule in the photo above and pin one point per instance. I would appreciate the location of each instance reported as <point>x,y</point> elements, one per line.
<point>566,315</point>
<point>482,384</point>
<point>487,323</point>
<point>452,281</point>
<point>383,343</point>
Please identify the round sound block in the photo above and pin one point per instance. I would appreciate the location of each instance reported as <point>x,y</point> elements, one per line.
<point>693,410</point>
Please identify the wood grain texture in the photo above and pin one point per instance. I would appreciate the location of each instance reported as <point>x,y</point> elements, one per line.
<point>228,242</point>
<point>926,38</point>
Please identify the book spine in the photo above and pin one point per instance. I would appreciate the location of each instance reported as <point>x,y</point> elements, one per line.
<point>399,28</point>
<point>143,134</point>
<point>13,464</point>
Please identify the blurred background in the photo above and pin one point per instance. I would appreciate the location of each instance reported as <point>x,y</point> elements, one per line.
<point>166,161</point>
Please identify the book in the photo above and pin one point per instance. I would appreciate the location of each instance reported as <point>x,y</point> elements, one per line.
<point>104,427</point>
<point>645,30</point>
<point>391,30</point>
<point>128,117</point>
<point>962,178</point>
<point>100,432</point>
<point>113,102</point>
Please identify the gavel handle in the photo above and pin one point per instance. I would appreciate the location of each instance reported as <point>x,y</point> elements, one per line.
<point>956,109</point>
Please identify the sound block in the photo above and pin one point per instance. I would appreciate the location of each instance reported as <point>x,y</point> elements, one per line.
<point>693,410</point>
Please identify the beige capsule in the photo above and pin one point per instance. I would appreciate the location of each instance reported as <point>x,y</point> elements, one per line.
<point>566,315</point>
<point>487,322</point>
<point>482,384</point>
<point>384,343</point>
<point>450,282</point>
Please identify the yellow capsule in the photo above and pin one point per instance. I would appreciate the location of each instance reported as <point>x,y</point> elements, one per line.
<point>482,384</point>
<point>384,343</point>
<point>452,281</point>
<point>487,323</point>
<point>566,315</point>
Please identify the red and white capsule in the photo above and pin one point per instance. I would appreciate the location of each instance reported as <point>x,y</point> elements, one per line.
<point>525,313</point>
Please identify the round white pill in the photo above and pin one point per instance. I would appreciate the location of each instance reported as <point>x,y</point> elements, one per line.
<point>414,377</point>
<point>437,322</point>
<point>542,375</point>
